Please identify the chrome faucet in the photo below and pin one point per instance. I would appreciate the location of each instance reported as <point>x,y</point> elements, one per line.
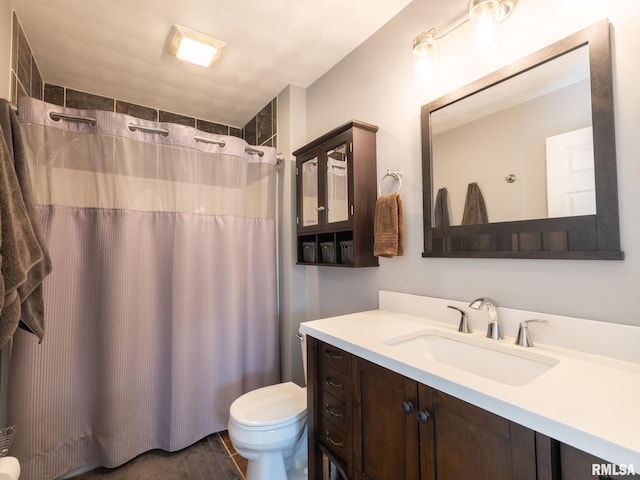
<point>524,339</point>
<point>463,327</point>
<point>493,329</point>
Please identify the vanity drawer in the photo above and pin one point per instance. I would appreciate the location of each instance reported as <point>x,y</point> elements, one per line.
<point>333,381</point>
<point>333,357</point>
<point>335,411</point>
<point>336,441</point>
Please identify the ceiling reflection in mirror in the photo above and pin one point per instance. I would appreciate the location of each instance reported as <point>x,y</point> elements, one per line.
<point>526,142</point>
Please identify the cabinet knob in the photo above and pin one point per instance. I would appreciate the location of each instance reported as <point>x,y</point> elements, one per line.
<point>423,416</point>
<point>320,208</point>
<point>406,407</point>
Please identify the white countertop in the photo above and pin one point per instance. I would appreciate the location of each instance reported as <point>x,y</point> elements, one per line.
<point>591,402</point>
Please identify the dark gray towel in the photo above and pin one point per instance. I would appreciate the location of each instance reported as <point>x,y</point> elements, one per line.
<point>475,210</point>
<point>30,291</point>
<point>442,218</point>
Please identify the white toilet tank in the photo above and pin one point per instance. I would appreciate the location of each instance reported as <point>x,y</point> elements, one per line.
<point>303,347</point>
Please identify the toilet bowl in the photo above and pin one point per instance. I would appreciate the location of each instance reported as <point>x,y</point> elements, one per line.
<point>9,468</point>
<point>268,427</point>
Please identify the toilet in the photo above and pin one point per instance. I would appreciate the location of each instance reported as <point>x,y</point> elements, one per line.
<point>9,468</point>
<point>268,427</point>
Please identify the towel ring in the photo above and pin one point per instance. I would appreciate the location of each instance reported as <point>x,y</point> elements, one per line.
<point>397,174</point>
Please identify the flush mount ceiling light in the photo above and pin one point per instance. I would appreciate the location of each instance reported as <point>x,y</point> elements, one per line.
<point>194,47</point>
<point>494,10</point>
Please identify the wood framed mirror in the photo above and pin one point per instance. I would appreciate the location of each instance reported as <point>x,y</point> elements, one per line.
<point>499,139</point>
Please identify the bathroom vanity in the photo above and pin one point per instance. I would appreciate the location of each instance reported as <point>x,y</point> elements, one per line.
<point>399,393</point>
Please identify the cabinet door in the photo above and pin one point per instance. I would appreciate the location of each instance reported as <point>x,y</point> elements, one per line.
<point>309,206</point>
<point>385,429</point>
<point>337,180</point>
<point>475,444</point>
<point>559,461</point>
<point>427,431</point>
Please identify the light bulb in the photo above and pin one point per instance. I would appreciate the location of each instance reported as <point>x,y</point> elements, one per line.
<point>424,57</point>
<point>485,16</point>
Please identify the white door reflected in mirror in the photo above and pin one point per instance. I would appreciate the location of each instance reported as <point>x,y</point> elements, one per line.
<point>570,174</point>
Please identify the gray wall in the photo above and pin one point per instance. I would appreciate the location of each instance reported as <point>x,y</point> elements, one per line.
<point>375,84</point>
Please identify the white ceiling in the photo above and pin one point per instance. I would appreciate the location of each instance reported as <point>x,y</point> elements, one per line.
<point>117,48</point>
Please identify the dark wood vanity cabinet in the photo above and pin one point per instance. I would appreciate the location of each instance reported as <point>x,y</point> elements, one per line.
<point>473,443</point>
<point>404,429</point>
<point>336,197</point>
<point>385,430</point>
<point>559,461</point>
<point>329,408</point>
<point>368,422</point>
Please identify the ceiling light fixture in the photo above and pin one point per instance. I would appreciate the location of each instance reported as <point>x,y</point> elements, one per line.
<point>484,11</point>
<point>194,47</point>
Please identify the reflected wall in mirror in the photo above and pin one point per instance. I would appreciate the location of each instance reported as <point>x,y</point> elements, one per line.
<point>503,136</point>
<point>533,144</point>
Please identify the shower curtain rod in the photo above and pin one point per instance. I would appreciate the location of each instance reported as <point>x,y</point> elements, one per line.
<point>93,121</point>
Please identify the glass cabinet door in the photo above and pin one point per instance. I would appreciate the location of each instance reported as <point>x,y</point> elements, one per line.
<point>337,185</point>
<point>310,192</point>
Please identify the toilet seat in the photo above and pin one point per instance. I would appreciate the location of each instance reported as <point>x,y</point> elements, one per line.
<point>268,408</point>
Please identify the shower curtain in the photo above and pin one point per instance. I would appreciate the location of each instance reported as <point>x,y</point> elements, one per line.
<point>161,307</point>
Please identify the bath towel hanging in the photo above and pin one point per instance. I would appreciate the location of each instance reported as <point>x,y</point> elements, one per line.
<point>388,228</point>
<point>442,218</point>
<point>28,256</point>
<point>475,210</point>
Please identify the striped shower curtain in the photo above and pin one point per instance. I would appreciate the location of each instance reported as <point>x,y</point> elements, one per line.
<point>161,307</point>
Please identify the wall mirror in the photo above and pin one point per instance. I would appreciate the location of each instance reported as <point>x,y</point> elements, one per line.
<point>522,163</point>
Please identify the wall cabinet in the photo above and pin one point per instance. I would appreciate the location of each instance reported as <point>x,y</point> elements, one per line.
<point>335,197</point>
<point>371,423</point>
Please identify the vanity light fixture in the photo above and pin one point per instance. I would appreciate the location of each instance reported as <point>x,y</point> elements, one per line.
<point>194,47</point>
<point>487,14</point>
<point>424,55</point>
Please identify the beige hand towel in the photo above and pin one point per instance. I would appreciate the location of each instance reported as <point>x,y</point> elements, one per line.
<point>388,229</point>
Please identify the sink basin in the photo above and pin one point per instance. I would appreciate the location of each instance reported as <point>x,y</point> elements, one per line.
<point>504,363</point>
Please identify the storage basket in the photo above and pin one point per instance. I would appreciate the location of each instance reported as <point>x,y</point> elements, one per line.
<point>328,251</point>
<point>309,252</point>
<point>346,251</point>
<point>6,439</point>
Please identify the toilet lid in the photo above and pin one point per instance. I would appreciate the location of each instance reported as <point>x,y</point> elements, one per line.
<point>276,404</point>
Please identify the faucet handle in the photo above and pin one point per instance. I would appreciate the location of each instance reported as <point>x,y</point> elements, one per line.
<point>524,339</point>
<point>464,322</point>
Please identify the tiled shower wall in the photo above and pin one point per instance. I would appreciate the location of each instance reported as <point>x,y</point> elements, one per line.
<point>25,76</point>
<point>27,81</point>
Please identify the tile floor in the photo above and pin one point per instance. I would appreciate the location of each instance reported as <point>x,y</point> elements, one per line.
<point>212,458</point>
<point>238,461</point>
